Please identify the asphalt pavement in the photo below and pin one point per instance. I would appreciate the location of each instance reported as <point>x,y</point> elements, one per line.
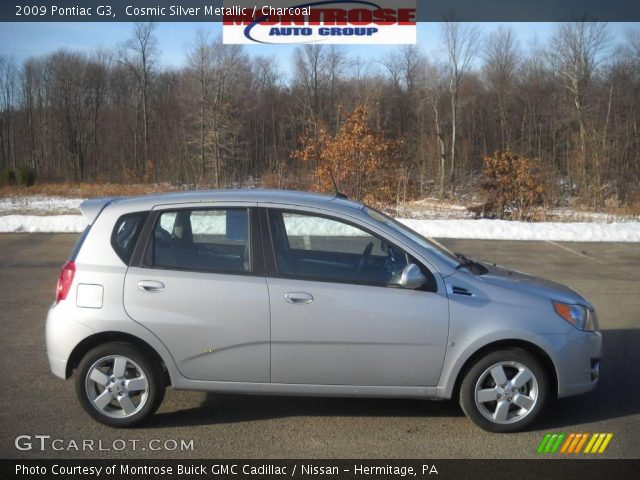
<point>202,425</point>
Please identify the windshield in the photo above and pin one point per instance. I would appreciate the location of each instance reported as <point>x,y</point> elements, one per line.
<point>434,247</point>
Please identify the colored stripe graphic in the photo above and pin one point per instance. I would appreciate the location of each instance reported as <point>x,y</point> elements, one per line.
<point>550,443</point>
<point>555,447</point>
<point>594,437</point>
<point>605,444</point>
<point>581,443</point>
<point>596,445</point>
<point>547,449</point>
<point>567,443</point>
<point>543,443</point>
<point>599,443</point>
<point>573,443</point>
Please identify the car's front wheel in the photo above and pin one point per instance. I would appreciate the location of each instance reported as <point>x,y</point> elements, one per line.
<point>118,385</point>
<point>504,391</point>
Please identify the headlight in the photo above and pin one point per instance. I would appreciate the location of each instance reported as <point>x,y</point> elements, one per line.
<point>577,315</point>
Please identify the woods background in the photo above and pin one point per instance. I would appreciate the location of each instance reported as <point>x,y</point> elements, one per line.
<point>570,107</point>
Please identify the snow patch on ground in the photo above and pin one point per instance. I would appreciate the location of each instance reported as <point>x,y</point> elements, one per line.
<point>478,229</point>
<point>445,220</point>
<point>39,204</point>
<point>436,209</point>
<point>432,208</point>
<point>42,223</point>
<point>508,230</point>
<point>571,215</point>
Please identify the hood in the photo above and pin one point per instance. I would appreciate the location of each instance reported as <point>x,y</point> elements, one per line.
<point>530,284</point>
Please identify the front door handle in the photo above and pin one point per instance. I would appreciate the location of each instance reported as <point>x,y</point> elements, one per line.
<point>150,286</point>
<point>298,298</point>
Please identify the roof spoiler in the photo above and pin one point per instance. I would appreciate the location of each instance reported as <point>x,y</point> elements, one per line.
<point>91,208</point>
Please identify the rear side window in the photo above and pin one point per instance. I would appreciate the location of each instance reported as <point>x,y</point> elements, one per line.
<point>215,240</point>
<point>125,234</point>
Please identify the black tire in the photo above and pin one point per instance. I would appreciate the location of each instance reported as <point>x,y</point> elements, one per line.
<point>479,369</point>
<point>150,369</point>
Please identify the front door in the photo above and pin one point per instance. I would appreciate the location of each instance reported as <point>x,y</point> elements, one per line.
<point>336,319</point>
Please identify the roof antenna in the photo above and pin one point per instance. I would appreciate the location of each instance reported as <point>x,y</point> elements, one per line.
<point>339,194</point>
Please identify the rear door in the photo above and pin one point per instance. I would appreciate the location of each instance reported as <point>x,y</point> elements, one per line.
<point>198,285</point>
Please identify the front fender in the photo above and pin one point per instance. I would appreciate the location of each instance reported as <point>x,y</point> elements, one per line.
<point>458,355</point>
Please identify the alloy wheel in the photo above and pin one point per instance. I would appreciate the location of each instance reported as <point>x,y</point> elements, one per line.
<point>506,392</point>
<point>117,386</point>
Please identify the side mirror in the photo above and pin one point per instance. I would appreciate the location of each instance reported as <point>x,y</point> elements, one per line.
<point>412,277</point>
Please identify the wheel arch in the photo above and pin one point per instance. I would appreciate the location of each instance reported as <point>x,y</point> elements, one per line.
<point>100,338</point>
<point>509,344</point>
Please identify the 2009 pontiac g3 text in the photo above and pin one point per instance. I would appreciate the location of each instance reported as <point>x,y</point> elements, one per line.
<point>47,443</point>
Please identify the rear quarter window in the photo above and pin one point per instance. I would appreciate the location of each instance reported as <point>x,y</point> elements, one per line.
<point>125,234</point>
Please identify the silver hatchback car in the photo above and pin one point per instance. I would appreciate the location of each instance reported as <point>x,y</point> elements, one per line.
<point>276,292</point>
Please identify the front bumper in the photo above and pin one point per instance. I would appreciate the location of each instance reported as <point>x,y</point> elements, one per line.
<point>577,360</point>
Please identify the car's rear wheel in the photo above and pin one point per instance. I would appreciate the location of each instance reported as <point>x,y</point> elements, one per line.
<point>504,391</point>
<point>118,385</point>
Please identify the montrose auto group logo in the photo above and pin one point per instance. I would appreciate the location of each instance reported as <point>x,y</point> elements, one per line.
<point>321,21</point>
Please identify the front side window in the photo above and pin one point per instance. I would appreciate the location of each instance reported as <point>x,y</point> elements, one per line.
<point>321,248</point>
<point>215,240</point>
<point>435,248</point>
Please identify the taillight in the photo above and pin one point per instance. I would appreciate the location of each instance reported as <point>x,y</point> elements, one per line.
<point>65,280</point>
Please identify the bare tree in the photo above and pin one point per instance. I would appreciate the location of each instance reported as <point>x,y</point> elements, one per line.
<point>231,82</point>
<point>335,65</point>
<point>501,63</point>
<point>633,45</point>
<point>139,54</point>
<point>224,118</point>
<point>413,67</point>
<point>435,87</point>
<point>34,92</point>
<point>576,51</point>
<point>393,68</point>
<point>8,89</point>
<point>199,63</point>
<point>268,138</point>
<point>310,74</point>
<point>405,68</point>
<point>460,41</point>
<point>96,86</point>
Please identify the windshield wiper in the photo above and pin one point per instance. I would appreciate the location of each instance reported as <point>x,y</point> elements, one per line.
<point>474,267</point>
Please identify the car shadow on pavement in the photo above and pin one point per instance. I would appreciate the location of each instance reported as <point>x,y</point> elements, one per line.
<point>619,382</point>
<point>227,408</point>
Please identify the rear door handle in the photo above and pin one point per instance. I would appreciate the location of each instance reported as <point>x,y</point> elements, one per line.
<point>150,286</point>
<point>298,298</point>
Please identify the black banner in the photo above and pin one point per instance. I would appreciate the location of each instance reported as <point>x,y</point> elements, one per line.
<point>316,469</point>
<point>209,10</point>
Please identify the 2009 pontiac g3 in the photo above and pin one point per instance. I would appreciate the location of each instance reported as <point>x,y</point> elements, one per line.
<point>275,292</point>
